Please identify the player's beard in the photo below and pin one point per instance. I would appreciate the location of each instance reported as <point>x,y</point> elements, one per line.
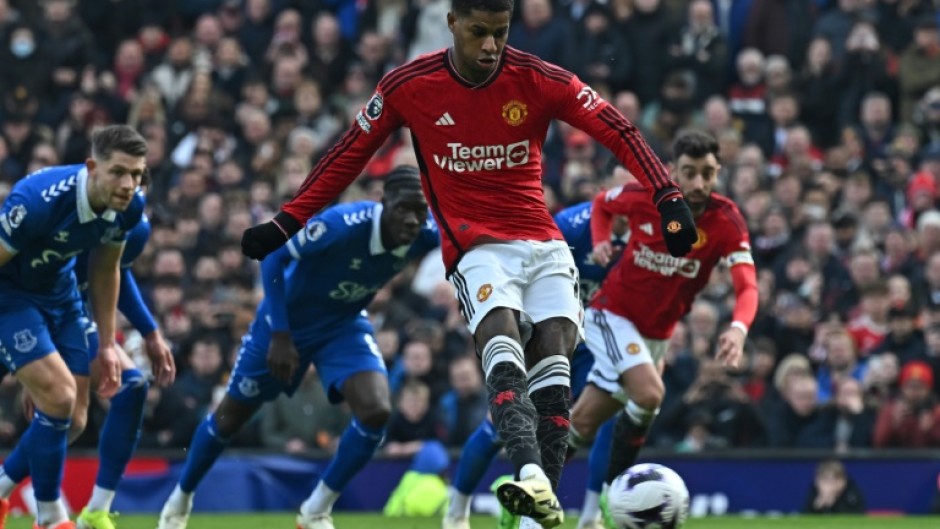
<point>698,203</point>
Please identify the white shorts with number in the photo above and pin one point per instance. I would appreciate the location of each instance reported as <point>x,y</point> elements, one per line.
<point>617,346</point>
<point>538,279</point>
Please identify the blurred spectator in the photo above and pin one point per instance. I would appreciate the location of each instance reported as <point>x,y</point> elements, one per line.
<point>700,48</point>
<point>833,491</point>
<point>649,27</point>
<point>424,27</point>
<point>412,422</point>
<point>912,419</point>
<point>881,379</point>
<point>168,422</point>
<point>541,31</point>
<point>919,69</point>
<point>12,421</point>
<point>747,99</point>
<point>295,424</point>
<point>904,339</point>
<point>195,385</point>
<point>465,406</point>
<point>864,67</point>
<point>598,55</point>
<point>817,83</point>
<point>847,421</point>
<point>841,364</point>
<point>780,28</point>
<point>870,326</point>
<point>794,425</point>
<point>715,412</point>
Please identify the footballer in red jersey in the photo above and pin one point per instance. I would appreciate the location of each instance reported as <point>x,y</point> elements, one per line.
<point>478,114</point>
<point>632,315</point>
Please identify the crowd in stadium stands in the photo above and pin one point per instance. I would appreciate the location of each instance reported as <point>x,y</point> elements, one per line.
<point>828,116</point>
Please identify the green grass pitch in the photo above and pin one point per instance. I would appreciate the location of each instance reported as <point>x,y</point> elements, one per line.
<point>374,521</point>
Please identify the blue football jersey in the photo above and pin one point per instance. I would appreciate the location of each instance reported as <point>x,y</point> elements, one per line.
<point>334,267</point>
<point>575,225</point>
<point>136,240</point>
<point>47,221</point>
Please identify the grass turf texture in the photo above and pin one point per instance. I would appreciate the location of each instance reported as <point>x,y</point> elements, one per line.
<point>375,521</point>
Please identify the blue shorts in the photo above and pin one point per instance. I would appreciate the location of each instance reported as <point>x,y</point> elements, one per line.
<point>30,331</point>
<point>337,355</point>
<point>581,364</point>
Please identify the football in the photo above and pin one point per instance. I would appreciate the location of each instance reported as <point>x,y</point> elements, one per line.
<point>646,496</point>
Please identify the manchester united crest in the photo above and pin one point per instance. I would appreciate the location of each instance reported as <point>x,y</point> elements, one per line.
<point>674,226</point>
<point>702,239</point>
<point>633,348</point>
<point>484,292</point>
<point>515,112</point>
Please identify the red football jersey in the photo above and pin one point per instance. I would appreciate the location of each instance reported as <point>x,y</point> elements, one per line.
<point>479,147</point>
<point>650,287</point>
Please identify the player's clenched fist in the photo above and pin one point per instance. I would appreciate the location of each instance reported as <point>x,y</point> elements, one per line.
<point>258,241</point>
<point>678,227</point>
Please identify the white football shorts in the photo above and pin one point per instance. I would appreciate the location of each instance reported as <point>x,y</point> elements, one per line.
<point>538,279</point>
<point>617,346</point>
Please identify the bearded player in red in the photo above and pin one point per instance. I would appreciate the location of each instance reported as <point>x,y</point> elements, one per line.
<point>637,307</point>
<point>478,113</point>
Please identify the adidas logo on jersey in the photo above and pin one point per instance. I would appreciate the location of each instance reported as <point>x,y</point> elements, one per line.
<point>445,120</point>
<point>646,228</point>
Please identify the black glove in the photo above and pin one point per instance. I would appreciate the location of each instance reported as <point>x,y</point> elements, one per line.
<point>258,241</point>
<point>678,227</point>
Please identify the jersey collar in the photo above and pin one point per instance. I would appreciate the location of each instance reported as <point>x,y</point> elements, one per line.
<point>375,242</point>
<point>85,213</point>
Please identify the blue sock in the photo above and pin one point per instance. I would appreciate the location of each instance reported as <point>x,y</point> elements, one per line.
<point>44,444</point>
<point>600,456</point>
<point>206,447</point>
<point>121,430</point>
<point>355,449</point>
<point>475,459</point>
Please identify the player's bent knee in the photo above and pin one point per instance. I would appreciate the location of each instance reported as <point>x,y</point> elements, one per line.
<point>584,426</point>
<point>649,396</point>
<point>498,322</point>
<point>56,401</point>
<point>78,424</point>
<point>554,336</point>
<point>376,415</point>
<point>227,425</point>
<point>231,415</point>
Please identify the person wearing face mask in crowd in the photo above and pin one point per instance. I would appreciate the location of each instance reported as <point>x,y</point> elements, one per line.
<point>24,61</point>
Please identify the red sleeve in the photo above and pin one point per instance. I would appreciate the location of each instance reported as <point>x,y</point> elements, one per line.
<point>744,278</point>
<point>583,108</point>
<point>602,219</point>
<point>620,200</point>
<point>345,161</point>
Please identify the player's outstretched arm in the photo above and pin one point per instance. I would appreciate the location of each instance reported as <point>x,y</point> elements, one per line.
<point>283,359</point>
<point>104,279</point>
<point>602,220</point>
<point>731,342</point>
<point>584,108</point>
<point>342,164</point>
<point>132,306</point>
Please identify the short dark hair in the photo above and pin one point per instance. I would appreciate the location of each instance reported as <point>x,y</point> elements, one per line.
<point>122,138</point>
<point>695,144</point>
<point>463,7</point>
<point>401,178</point>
